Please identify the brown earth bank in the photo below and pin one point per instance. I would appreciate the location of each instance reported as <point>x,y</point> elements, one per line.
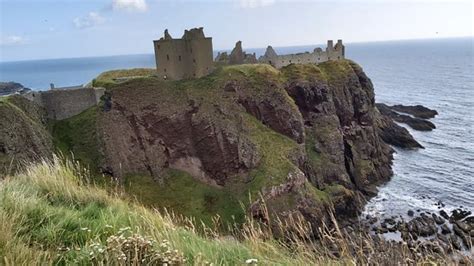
<point>282,143</point>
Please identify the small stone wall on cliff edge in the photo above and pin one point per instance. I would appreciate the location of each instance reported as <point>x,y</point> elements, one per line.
<point>61,104</point>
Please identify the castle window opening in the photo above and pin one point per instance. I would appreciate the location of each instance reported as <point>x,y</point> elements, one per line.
<point>194,60</point>
<point>158,47</point>
<point>165,70</point>
<point>168,57</point>
<point>179,58</point>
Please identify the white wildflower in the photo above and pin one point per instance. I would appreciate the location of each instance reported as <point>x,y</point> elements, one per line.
<point>251,261</point>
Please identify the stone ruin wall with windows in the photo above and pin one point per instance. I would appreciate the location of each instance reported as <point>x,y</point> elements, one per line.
<point>192,56</point>
<point>188,57</point>
<point>317,56</point>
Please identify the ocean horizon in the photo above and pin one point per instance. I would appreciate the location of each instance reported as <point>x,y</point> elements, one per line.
<point>37,74</point>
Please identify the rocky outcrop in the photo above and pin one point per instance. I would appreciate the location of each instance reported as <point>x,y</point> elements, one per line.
<point>394,134</point>
<point>415,123</point>
<point>418,111</point>
<point>7,88</point>
<point>443,231</point>
<point>23,134</point>
<point>340,121</point>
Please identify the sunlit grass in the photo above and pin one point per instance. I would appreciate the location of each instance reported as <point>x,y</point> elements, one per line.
<point>52,214</point>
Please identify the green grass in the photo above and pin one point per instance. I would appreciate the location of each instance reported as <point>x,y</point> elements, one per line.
<point>108,78</point>
<point>50,214</point>
<point>183,194</point>
<point>78,137</point>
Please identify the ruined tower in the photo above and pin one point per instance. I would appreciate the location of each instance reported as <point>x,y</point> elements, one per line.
<point>185,58</point>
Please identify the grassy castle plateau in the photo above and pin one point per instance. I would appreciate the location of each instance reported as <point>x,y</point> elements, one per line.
<point>249,164</point>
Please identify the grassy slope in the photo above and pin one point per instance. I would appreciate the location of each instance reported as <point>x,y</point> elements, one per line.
<point>49,214</point>
<point>22,131</point>
<point>78,136</point>
<point>106,79</point>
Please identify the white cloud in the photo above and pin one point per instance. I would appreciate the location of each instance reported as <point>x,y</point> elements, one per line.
<point>255,3</point>
<point>12,40</point>
<point>92,19</point>
<point>130,5</point>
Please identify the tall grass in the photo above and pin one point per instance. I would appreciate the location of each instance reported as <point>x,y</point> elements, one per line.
<point>52,214</point>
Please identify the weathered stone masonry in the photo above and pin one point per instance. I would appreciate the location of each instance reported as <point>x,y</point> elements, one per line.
<point>317,56</point>
<point>188,57</point>
<point>64,103</point>
<point>191,56</point>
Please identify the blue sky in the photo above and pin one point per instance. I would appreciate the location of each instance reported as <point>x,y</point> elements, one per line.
<point>39,29</point>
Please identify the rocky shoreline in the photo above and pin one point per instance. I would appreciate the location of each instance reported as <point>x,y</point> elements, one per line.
<point>8,88</point>
<point>417,118</point>
<point>438,231</point>
<point>441,231</point>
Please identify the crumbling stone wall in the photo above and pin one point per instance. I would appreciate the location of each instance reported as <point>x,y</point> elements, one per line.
<point>64,103</point>
<point>317,56</point>
<point>237,56</point>
<point>188,57</point>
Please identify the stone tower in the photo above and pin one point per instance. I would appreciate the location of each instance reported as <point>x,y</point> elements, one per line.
<point>185,58</point>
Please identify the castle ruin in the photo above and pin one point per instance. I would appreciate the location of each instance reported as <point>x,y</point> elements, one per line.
<point>188,57</point>
<point>191,56</point>
<point>317,56</point>
<point>237,56</point>
<point>62,103</point>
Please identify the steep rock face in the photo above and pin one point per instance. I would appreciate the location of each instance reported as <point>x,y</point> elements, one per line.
<point>394,134</point>
<point>23,134</point>
<point>339,114</point>
<point>298,139</point>
<point>152,137</point>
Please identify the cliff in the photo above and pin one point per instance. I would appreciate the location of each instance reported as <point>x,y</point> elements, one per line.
<point>23,134</point>
<point>300,139</point>
<point>297,139</point>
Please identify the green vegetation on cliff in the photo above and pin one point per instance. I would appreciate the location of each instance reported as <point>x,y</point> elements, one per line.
<point>181,193</point>
<point>78,137</point>
<point>109,78</point>
<point>23,134</point>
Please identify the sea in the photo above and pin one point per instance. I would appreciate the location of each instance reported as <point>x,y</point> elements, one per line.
<point>437,73</point>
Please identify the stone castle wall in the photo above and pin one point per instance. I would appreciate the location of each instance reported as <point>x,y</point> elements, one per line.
<point>188,57</point>
<point>317,56</point>
<point>64,103</point>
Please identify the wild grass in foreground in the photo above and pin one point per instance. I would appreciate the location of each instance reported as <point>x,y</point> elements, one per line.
<point>51,214</point>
